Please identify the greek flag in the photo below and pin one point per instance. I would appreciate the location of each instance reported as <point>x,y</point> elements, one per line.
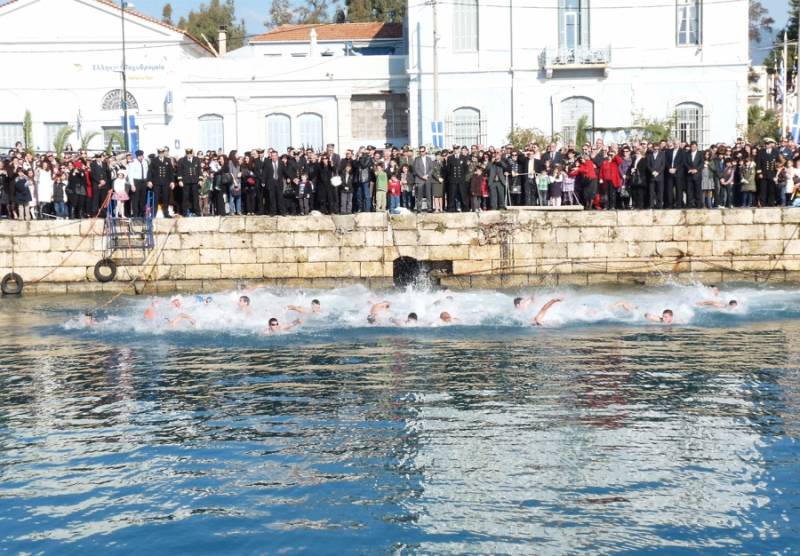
<point>795,129</point>
<point>779,84</point>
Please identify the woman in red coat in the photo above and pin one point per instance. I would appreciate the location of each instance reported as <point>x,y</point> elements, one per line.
<point>610,179</point>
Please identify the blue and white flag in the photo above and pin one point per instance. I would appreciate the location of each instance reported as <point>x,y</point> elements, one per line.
<point>779,84</point>
<point>795,128</point>
<point>437,134</point>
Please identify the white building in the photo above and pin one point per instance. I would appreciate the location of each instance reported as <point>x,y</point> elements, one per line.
<point>545,63</point>
<point>539,64</point>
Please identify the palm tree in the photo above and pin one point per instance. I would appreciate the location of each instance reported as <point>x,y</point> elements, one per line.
<point>60,140</point>
<point>88,139</point>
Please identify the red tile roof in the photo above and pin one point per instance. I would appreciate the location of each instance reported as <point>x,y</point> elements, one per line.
<point>333,32</point>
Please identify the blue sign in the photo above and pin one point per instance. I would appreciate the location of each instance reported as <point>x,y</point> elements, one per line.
<point>437,134</point>
<point>133,133</point>
<point>796,127</point>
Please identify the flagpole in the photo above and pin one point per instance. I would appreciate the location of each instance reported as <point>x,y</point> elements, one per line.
<point>783,84</point>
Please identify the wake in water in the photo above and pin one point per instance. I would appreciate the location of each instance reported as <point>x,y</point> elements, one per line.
<point>279,311</point>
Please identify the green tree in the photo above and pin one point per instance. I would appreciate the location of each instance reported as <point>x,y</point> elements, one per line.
<point>519,137</point>
<point>761,124</point>
<point>280,13</point>
<point>27,132</point>
<point>313,11</point>
<point>582,131</point>
<point>760,21</point>
<point>375,10</point>
<point>87,139</point>
<point>791,30</point>
<point>166,14</point>
<point>60,140</point>
<point>206,21</point>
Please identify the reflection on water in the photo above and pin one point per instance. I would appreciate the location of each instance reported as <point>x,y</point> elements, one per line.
<point>466,440</point>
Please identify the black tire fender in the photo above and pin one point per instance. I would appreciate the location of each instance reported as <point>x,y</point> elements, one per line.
<point>108,275</point>
<point>12,284</point>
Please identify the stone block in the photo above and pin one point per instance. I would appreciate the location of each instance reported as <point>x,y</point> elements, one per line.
<point>567,235</point>
<point>705,265</point>
<point>370,220</point>
<point>544,234</point>
<point>243,256</point>
<point>672,248</point>
<point>702,217</point>
<point>342,269</point>
<point>669,218</point>
<point>712,233</point>
<point>361,254</point>
<point>433,237</point>
<point>603,278</point>
<point>304,239</point>
<point>554,266</point>
<point>792,247</point>
<point>773,231</point>
<point>700,248</point>
<point>256,224</point>
<point>353,239</point>
<point>687,233</point>
<point>514,280</point>
<point>590,266</point>
<point>311,270</point>
<point>594,235</point>
<point>599,218</point>
<point>740,216</point>
<point>635,217</point>
<point>177,272</point>
<point>448,252</point>
<point>181,257</point>
<point>243,270</point>
<point>762,247</point>
<point>271,255</point>
<point>287,255</point>
<point>403,222</point>
<point>477,252</point>
<point>376,270</point>
<point>554,250</point>
<point>204,224</point>
<point>726,248</point>
<point>273,239</point>
<point>527,251</point>
<point>323,254</point>
<point>415,251</point>
<point>739,232</point>
<point>471,267</point>
<point>573,280</point>
<point>642,249</point>
<point>768,215</point>
<point>493,217</point>
<point>280,270</point>
<point>190,285</point>
<point>486,281</point>
<point>611,250</point>
<point>580,250</point>
<point>214,256</point>
<point>309,223</point>
<point>378,238</point>
<point>233,224</point>
<point>24,244</point>
<point>344,222</point>
<point>405,237</point>
<point>202,271</point>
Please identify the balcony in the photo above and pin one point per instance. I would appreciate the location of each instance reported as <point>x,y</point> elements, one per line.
<point>580,58</point>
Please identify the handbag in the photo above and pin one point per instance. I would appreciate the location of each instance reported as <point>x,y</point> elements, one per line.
<point>227,178</point>
<point>336,181</point>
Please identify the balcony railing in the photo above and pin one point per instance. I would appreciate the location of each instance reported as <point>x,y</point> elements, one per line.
<point>574,58</point>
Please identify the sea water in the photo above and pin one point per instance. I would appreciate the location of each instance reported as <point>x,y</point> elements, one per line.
<point>598,432</point>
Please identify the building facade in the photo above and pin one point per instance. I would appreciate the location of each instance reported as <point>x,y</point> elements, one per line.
<point>543,64</point>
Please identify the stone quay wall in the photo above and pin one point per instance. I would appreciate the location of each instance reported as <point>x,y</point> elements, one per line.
<point>514,248</point>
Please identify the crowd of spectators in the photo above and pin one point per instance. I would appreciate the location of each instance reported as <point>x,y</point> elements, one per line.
<point>636,175</point>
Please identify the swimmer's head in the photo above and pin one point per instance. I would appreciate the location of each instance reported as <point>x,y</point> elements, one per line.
<point>667,315</point>
<point>208,300</point>
<point>316,306</point>
<point>273,323</point>
<point>412,317</point>
<point>444,316</point>
<point>733,304</point>
<point>517,301</point>
<point>244,301</point>
<point>176,302</point>
<point>371,319</point>
<point>713,289</point>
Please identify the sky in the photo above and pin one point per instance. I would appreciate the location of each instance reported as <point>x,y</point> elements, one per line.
<point>255,12</point>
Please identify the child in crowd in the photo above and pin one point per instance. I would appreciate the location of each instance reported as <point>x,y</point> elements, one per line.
<point>206,185</point>
<point>59,184</point>
<point>555,188</point>
<point>22,195</point>
<point>484,192</point>
<point>728,174</point>
<point>476,188</point>
<point>120,194</point>
<point>748,173</point>
<point>304,191</point>
<point>395,189</point>
<point>381,185</point>
<point>405,188</point>
<point>568,188</point>
<point>783,178</point>
<point>543,183</point>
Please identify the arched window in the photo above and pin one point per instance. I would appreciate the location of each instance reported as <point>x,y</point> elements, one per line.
<point>572,110</point>
<point>689,122</point>
<point>212,132</point>
<point>465,128</point>
<point>113,101</point>
<point>279,132</point>
<point>310,131</point>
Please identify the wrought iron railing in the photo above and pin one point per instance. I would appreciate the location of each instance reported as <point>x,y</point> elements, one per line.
<point>580,56</point>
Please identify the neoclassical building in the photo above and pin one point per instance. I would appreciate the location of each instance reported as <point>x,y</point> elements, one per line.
<point>534,63</point>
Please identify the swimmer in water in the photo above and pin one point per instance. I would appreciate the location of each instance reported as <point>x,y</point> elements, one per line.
<point>376,311</point>
<point>411,320</point>
<point>316,308</point>
<point>665,318</point>
<point>180,317</point>
<point>522,303</point>
<point>89,320</point>
<point>244,305</point>
<point>732,305</point>
<point>447,318</point>
<point>273,327</point>
<point>538,320</point>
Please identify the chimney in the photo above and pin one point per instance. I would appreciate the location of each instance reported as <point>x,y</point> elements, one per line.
<point>222,40</point>
<point>312,47</point>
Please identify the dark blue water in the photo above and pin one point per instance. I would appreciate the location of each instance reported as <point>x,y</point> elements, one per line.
<point>612,437</point>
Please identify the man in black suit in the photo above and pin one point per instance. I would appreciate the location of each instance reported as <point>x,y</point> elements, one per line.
<point>656,162</point>
<point>101,183</point>
<point>274,178</point>
<point>694,174</point>
<point>189,172</point>
<point>257,157</point>
<point>674,184</point>
<point>161,179</point>
<point>766,171</point>
<point>457,189</point>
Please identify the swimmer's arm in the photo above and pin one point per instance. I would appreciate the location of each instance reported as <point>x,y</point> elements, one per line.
<point>539,318</point>
<point>291,325</point>
<point>624,305</point>
<point>296,309</point>
<point>711,303</point>
<point>652,318</point>
<point>397,322</point>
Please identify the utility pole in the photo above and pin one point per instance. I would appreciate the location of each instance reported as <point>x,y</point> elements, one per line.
<point>435,63</point>
<point>783,85</point>
<point>122,5</point>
